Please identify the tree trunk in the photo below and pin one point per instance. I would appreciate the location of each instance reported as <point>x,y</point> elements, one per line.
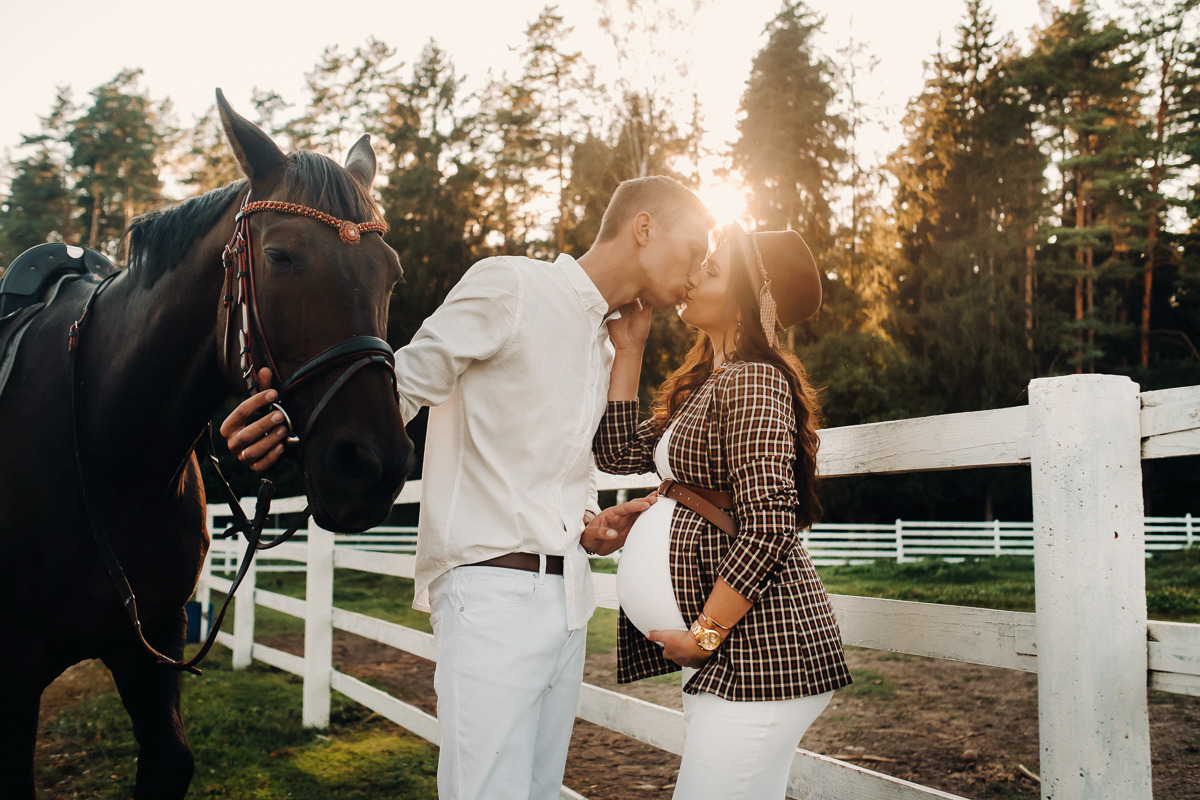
<point>1152,220</point>
<point>94,233</point>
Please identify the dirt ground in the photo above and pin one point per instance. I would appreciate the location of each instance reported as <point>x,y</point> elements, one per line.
<point>961,728</point>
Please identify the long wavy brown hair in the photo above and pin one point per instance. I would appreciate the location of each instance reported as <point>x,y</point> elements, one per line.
<point>750,344</point>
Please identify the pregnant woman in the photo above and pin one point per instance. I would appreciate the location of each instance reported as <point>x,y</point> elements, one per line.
<point>713,577</point>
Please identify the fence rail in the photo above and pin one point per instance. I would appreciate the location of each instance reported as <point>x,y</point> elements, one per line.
<point>1089,640</point>
<point>829,543</point>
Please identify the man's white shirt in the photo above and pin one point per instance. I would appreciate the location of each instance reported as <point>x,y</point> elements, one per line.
<point>515,366</point>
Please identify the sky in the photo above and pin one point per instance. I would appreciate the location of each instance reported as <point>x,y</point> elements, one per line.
<point>186,50</point>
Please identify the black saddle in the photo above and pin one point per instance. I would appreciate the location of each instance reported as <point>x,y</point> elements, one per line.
<point>38,267</point>
<point>32,282</point>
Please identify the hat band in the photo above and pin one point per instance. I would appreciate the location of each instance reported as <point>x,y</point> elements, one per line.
<point>766,301</point>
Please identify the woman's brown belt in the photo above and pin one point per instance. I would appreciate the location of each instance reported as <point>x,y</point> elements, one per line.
<point>707,503</point>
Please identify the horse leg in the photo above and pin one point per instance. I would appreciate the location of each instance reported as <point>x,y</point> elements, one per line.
<point>151,694</point>
<point>19,704</point>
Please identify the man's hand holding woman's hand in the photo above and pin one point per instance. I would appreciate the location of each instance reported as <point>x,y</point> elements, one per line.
<point>254,434</point>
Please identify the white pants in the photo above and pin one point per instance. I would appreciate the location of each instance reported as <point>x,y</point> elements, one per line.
<point>741,750</point>
<point>507,681</point>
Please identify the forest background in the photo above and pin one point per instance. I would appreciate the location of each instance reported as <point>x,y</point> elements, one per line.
<point>1040,217</point>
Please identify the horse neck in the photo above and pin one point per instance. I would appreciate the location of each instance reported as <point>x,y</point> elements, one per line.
<point>154,375</point>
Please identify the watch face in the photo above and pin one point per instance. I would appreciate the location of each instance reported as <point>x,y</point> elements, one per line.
<point>707,639</point>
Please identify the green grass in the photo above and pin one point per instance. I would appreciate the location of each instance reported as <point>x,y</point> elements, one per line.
<point>870,684</point>
<point>385,598</point>
<point>244,726</point>
<point>1007,582</point>
<point>245,732</point>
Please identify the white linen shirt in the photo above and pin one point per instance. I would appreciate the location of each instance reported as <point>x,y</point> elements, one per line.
<point>515,366</point>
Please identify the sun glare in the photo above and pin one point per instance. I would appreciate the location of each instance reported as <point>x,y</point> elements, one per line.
<point>725,200</point>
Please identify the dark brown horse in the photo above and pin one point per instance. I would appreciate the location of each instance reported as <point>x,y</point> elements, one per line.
<point>151,369</point>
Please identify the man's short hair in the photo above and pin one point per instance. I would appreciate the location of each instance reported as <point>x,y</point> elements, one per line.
<point>665,199</point>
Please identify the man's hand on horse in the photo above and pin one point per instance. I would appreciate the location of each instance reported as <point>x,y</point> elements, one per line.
<point>606,532</point>
<point>252,432</point>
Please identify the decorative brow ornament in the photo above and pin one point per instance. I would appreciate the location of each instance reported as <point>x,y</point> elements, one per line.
<point>766,301</point>
<point>349,232</point>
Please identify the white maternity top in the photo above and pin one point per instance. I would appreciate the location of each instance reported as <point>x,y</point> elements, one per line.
<point>644,571</point>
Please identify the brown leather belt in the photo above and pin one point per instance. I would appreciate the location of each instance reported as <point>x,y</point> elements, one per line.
<point>708,503</point>
<point>530,562</point>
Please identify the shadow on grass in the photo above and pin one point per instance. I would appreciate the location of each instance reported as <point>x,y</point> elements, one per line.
<point>245,732</point>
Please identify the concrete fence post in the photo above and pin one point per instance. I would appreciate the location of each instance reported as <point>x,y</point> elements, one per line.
<point>318,628</point>
<point>1090,582</point>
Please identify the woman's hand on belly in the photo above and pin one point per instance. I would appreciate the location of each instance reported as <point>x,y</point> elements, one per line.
<point>681,647</point>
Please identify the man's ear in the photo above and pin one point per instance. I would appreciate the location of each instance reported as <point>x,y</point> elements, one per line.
<point>642,223</point>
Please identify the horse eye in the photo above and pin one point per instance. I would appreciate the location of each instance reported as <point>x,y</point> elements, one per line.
<point>278,258</point>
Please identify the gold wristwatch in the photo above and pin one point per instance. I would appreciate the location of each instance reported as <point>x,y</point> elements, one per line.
<point>707,638</point>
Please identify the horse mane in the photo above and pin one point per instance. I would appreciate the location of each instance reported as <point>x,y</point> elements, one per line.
<point>160,239</point>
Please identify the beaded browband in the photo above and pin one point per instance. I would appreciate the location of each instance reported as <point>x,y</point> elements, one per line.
<point>350,232</point>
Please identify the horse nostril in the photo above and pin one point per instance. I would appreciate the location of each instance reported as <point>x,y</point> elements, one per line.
<point>354,464</point>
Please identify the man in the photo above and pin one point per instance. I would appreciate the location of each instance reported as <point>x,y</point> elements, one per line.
<point>515,366</point>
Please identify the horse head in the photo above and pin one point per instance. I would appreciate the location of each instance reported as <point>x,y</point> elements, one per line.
<point>309,277</point>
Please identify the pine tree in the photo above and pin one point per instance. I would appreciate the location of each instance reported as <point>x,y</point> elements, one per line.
<point>37,208</point>
<point>518,150</point>
<point>115,146</point>
<point>431,198</point>
<point>347,93</point>
<point>1082,77</point>
<point>964,211</point>
<point>1172,77</point>
<point>207,162</point>
<point>559,81</point>
<point>789,147</point>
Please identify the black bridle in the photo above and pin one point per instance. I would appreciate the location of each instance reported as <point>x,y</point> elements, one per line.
<point>240,300</point>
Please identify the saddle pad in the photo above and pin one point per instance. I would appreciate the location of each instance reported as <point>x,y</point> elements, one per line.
<point>13,326</point>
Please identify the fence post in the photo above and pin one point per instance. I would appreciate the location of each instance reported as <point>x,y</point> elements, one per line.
<point>204,594</point>
<point>243,615</point>
<point>899,541</point>
<point>318,628</point>
<point>1187,521</point>
<point>996,538</point>
<point>1090,585</point>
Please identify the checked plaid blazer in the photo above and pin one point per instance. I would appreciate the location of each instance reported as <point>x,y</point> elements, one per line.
<point>736,432</point>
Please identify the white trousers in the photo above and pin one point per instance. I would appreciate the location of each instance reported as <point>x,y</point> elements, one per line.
<point>741,750</point>
<point>507,681</point>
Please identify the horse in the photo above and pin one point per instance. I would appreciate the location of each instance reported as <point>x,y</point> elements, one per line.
<point>112,388</point>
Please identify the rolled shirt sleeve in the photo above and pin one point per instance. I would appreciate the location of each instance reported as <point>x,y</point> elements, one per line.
<point>476,320</point>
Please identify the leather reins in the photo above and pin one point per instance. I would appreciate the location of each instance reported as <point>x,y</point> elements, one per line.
<point>240,299</point>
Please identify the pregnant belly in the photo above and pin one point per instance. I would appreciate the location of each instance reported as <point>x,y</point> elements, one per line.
<point>644,572</point>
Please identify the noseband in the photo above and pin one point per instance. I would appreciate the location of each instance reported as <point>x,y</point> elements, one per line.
<point>241,301</point>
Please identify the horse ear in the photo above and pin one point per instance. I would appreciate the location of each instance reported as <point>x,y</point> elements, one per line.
<point>257,154</point>
<point>361,161</point>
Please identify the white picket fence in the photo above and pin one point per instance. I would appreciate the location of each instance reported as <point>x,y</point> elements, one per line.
<point>1089,639</point>
<point>828,543</point>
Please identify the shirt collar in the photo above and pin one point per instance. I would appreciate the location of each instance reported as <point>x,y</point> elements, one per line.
<point>589,296</point>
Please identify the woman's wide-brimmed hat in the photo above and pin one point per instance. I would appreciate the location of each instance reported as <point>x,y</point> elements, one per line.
<point>785,275</point>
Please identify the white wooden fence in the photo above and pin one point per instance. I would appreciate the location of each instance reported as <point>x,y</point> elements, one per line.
<point>828,543</point>
<point>1089,640</point>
